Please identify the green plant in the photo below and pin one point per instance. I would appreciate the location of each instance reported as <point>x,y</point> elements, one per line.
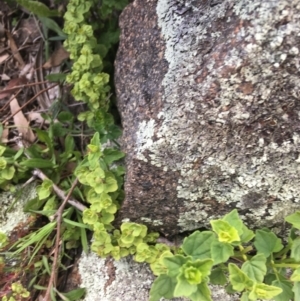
<point>256,264</point>
<point>258,271</point>
<point>18,293</point>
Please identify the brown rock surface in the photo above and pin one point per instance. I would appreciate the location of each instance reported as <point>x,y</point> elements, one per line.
<point>208,93</point>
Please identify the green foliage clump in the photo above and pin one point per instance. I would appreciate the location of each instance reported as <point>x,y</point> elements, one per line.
<point>256,265</point>
<point>18,293</point>
<point>225,256</point>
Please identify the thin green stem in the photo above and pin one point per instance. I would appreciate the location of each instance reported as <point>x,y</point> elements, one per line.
<point>286,265</point>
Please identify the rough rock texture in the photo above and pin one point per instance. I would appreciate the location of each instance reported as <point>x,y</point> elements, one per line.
<point>124,280</point>
<point>12,208</point>
<point>209,98</point>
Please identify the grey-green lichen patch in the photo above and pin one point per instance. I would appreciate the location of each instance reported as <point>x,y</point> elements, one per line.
<point>124,280</point>
<point>153,222</point>
<point>230,120</point>
<point>11,207</point>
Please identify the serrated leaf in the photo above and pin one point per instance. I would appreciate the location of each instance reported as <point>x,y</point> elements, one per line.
<point>163,286</point>
<point>294,219</point>
<point>238,278</point>
<point>174,263</point>
<point>234,220</point>
<point>183,287</point>
<point>255,268</point>
<point>198,244</point>
<point>226,232</point>
<point>8,173</point>
<point>267,242</point>
<point>217,277</point>
<point>202,293</point>
<point>286,286</point>
<point>38,8</point>
<point>221,252</point>
<point>247,235</point>
<point>110,185</point>
<point>264,291</point>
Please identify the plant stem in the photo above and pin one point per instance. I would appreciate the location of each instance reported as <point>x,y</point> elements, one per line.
<point>58,214</point>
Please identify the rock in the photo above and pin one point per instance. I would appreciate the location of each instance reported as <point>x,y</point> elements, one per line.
<point>124,280</point>
<point>208,93</point>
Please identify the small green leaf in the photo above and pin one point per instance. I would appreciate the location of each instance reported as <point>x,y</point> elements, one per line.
<point>238,278</point>
<point>110,155</point>
<point>295,250</point>
<point>52,25</point>
<point>183,287</point>
<point>174,264</point>
<point>43,136</point>
<point>264,291</point>
<point>38,8</point>
<point>75,294</point>
<point>44,190</point>
<point>226,232</point>
<point>294,219</point>
<point>202,293</point>
<point>8,173</point>
<point>111,185</point>
<point>37,163</point>
<point>217,277</point>
<point>56,77</point>
<point>75,224</point>
<point>234,220</point>
<point>286,286</point>
<point>89,216</point>
<point>65,116</point>
<point>296,290</point>
<point>163,286</point>
<point>267,242</point>
<point>46,264</point>
<point>2,148</point>
<point>198,244</point>
<point>3,240</point>
<point>221,252</point>
<point>247,234</point>
<point>245,296</point>
<point>255,268</point>
<point>58,129</point>
<point>296,275</point>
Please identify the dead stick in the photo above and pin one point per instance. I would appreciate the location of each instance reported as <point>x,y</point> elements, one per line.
<point>58,214</point>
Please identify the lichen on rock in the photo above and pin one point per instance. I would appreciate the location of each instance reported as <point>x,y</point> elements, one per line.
<point>211,107</point>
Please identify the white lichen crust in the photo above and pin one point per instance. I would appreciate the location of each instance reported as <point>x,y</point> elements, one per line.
<point>12,207</point>
<point>131,281</point>
<point>210,106</point>
<point>239,147</point>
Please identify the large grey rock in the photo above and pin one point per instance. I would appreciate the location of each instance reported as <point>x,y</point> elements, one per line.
<point>125,280</point>
<point>208,93</point>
